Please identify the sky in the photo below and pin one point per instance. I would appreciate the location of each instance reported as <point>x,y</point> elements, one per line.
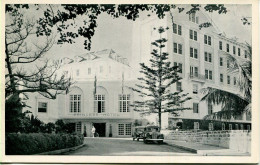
<point>116,33</point>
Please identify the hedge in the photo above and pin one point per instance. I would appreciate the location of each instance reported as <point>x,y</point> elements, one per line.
<point>33,143</point>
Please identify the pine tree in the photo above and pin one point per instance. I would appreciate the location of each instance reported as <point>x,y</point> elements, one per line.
<point>154,86</point>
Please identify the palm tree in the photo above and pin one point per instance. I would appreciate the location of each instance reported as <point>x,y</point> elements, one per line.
<point>233,104</point>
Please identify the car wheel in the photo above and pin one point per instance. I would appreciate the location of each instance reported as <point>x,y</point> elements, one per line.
<point>137,139</point>
<point>145,141</point>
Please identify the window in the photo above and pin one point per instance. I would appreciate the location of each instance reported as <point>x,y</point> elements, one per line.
<point>124,102</point>
<point>77,72</point>
<point>228,79</point>
<point>194,53</point>
<point>236,126</point>
<point>194,71</point>
<point>235,81</point>
<point>195,107</point>
<point>75,103</point>
<point>195,88</point>
<point>210,109</point>
<point>227,47</point>
<point>211,128</point>
<point>208,57</point>
<point>124,129</point>
<point>89,71</point>
<point>208,74</point>
<point>99,103</point>
<point>193,35</point>
<point>196,125</point>
<point>179,66</point>
<point>220,61</point>
<point>193,18</point>
<point>101,69</point>
<point>121,129</point>
<point>230,126</point>
<point>177,48</point>
<point>223,126</point>
<point>178,86</point>
<point>228,64</point>
<point>220,45</point>
<point>221,78</point>
<point>42,107</point>
<point>245,54</point>
<point>78,127</point>
<point>234,50</point>
<point>241,126</point>
<point>207,40</point>
<point>239,52</point>
<point>177,29</point>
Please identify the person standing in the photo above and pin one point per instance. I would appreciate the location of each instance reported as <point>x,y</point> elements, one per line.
<point>93,131</point>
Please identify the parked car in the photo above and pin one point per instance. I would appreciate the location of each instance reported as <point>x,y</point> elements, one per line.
<point>152,134</point>
<point>138,133</point>
<point>148,133</point>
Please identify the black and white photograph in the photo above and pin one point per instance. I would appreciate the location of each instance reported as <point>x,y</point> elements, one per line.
<point>159,82</point>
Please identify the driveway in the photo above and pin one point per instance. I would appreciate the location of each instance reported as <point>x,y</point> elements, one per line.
<point>125,147</point>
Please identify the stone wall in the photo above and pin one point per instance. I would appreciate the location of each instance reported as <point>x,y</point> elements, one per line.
<point>239,140</point>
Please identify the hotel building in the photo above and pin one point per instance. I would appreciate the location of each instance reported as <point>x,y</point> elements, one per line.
<point>201,55</point>
<point>102,101</point>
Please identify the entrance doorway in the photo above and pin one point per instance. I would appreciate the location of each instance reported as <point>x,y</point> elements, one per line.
<point>100,129</point>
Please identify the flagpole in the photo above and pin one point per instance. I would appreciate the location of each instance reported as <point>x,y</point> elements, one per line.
<point>123,82</point>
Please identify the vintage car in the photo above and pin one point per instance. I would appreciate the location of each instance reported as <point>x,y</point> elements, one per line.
<point>152,134</point>
<point>148,133</point>
<point>138,133</point>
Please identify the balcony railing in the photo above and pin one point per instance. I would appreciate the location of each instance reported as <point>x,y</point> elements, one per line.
<point>197,77</point>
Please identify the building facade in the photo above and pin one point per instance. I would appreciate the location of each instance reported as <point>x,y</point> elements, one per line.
<point>100,96</point>
<point>201,53</point>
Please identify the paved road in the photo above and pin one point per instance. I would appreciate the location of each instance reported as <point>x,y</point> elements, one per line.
<point>125,147</point>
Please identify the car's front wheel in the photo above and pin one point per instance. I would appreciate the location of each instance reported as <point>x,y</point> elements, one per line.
<point>145,141</point>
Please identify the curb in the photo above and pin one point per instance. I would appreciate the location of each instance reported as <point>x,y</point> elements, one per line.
<point>184,148</point>
<point>56,152</point>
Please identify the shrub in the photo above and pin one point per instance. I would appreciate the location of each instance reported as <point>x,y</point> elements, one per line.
<point>33,143</point>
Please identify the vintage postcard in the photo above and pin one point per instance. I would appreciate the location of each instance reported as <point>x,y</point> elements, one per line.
<point>130,81</point>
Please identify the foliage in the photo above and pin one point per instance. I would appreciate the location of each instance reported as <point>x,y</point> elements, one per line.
<point>62,127</point>
<point>23,51</point>
<point>64,19</point>
<point>233,104</point>
<point>34,143</point>
<point>154,86</point>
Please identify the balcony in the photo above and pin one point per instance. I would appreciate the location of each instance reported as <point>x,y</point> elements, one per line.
<point>197,77</point>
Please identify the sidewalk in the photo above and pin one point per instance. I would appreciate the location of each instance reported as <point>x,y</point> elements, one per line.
<point>205,150</point>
